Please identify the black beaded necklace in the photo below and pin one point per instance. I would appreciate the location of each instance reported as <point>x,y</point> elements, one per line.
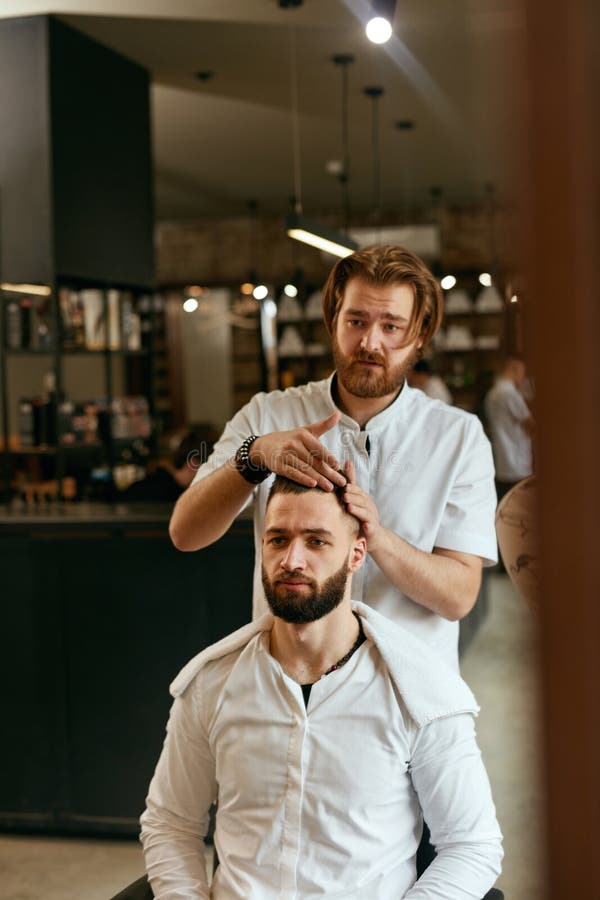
<point>359,640</point>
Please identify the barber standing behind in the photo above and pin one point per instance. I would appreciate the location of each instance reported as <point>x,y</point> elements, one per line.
<point>421,481</point>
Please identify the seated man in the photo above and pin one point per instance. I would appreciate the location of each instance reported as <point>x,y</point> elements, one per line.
<point>326,733</point>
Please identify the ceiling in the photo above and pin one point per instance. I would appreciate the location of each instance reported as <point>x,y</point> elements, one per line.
<point>451,68</point>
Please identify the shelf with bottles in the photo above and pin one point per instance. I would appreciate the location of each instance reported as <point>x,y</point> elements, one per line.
<point>40,418</point>
<point>88,320</point>
<point>468,375</point>
<point>473,338</point>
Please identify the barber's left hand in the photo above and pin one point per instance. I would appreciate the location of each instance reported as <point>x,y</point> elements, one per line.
<point>361,505</point>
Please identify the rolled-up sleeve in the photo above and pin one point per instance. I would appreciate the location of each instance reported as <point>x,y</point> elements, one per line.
<point>455,796</point>
<point>175,820</point>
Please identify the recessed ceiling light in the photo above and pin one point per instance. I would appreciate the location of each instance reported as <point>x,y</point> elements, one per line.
<point>448,282</point>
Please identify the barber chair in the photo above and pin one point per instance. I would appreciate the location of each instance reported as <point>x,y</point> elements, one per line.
<point>141,890</point>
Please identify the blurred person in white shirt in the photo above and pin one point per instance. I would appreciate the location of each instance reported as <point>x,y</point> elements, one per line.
<point>511,426</point>
<point>326,733</point>
<point>433,386</point>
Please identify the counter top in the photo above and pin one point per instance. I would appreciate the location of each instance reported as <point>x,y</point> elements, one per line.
<point>115,516</point>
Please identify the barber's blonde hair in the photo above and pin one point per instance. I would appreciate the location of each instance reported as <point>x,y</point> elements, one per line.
<point>387,265</point>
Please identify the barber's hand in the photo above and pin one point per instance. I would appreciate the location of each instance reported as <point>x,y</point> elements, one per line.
<point>361,505</point>
<point>299,455</point>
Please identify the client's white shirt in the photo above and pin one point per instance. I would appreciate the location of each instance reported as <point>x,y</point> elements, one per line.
<point>323,801</point>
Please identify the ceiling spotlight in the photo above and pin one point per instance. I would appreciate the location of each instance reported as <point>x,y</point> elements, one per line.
<point>514,299</point>
<point>190,304</point>
<point>485,279</point>
<point>290,290</point>
<point>447,282</point>
<point>378,30</point>
<point>379,26</point>
<point>260,292</point>
<point>246,288</point>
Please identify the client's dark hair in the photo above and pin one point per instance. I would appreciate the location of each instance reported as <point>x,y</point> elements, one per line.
<point>283,485</point>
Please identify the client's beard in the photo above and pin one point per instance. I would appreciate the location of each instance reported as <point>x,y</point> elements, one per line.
<point>299,607</point>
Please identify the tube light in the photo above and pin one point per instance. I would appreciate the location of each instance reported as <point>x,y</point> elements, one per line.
<point>327,239</point>
<point>39,290</point>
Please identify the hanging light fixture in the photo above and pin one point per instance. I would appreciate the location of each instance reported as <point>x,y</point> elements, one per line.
<point>379,26</point>
<point>297,225</point>
<point>489,299</point>
<point>375,93</point>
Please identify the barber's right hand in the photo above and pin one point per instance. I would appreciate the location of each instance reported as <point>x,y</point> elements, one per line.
<point>299,455</point>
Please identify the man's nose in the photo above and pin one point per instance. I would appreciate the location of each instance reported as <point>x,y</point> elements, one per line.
<point>294,557</point>
<point>371,339</point>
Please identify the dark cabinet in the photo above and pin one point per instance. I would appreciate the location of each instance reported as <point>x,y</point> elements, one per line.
<point>75,159</point>
<point>97,624</point>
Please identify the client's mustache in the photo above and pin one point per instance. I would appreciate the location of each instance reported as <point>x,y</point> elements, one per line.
<point>294,576</point>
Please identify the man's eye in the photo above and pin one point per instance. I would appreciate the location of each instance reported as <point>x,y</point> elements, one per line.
<point>355,323</point>
<point>317,542</point>
<point>390,328</point>
<point>276,541</point>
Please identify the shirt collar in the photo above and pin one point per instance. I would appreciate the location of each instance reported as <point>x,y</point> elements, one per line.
<point>429,688</point>
<point>399,409</point>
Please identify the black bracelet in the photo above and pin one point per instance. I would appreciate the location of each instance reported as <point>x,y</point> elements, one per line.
<point>248,470</point>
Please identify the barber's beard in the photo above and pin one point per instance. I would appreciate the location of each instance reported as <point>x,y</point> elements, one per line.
<point>308,604</point>
<point>370,383</point>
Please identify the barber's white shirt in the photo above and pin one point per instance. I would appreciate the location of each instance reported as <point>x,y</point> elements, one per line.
<point>506,410</point>
<point>324,801</point>
<point>428,467</point>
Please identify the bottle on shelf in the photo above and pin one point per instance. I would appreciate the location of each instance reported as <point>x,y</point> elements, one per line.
<point>72,319</point>
<point>14,331</point>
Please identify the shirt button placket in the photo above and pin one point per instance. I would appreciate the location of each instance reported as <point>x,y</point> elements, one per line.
<point>290,850</point>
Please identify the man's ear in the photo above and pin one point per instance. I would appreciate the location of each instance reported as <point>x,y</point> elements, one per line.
<point>357,553</point>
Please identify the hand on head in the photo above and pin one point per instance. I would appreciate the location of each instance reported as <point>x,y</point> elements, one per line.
<point>299,455</point>
<point>362,506</point>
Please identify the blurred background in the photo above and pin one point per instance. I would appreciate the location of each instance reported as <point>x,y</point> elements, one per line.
<point>176,181</point>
